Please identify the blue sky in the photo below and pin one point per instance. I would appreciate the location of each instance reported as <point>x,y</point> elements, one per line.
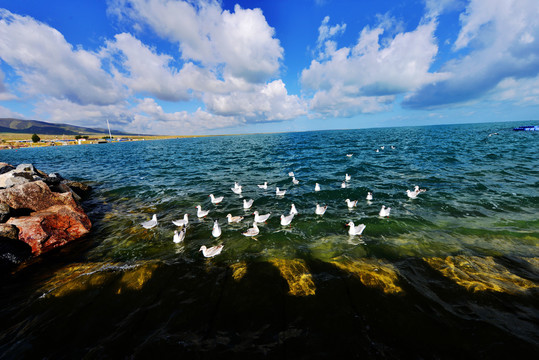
<point>220,67</point>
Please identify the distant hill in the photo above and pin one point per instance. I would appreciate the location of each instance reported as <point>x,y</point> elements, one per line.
<point>18,126</point>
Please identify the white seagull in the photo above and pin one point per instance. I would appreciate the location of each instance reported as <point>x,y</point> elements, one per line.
<point>295,181</point>
<point>291,173</point>
<point>234,219</point>
<point>264,186</point>
<point>349,155</point>
<point>286,220</point>
<point>320,210</point>
<point>178,237</point>
<point>211,252</point>
<point>343,185</point>
<point>150,223</point>
<point>317,187</point>
<point>351,204</point>
<point>247,203</point>
<point>355,230</point>
<point>252,231</point>
<point>293,210</point>
<point>347,177</point>
<point>382,147</point>
<point>418,190</point>
<point>412,194</point>
<point>216,200</point>
<point>216,232</point>
<point>369,196</point>
<point>201,213</point>
<point>181,222</point>
<point>385,211</point>
<point>236,185</point>
<point>279,192</point>
<point>236,190</point>
<point>261,218</point>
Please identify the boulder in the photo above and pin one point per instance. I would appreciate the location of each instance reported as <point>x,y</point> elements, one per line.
<point>5,167</point>
<point>79,188</point>
<point>8,231</point>
<point>19,179</point>
<point>52,227</point>
<point>12,250</point>
<point>35,196</point>
<point>5,212</point>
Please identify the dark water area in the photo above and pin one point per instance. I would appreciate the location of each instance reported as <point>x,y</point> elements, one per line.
<point>451,274</point>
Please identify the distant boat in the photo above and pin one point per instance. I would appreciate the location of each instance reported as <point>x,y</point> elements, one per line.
<point>527,128</point>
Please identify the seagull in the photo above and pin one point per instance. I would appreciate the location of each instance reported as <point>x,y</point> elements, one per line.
<point>418,190</point>
<point>369,196</point>
<point>392,147</point>
<point>295,181</point>
<point>247,203</point>
<point>252,231</point>
<point>412,194</point>
<point>343,185</point>
<point>320,210</point>
<point>261,218</point>
<point>349,155</point>
<point>181,222</point>
<point>355,230</point>
<point>382,147</point>
<point>216,232</point>
<point>178,237</point>
<point>264,186</point>
<point>317,187</point>
<point>351,204</point>
<point>234,219</point>
<point>293,210</point>
<point>150,223</point>
<point>286,220</point>
<point>236,185</point>
<point>280,192</point>
<point>201,213</point>
<point>291,173</point>
<point>236,190</point>
<point>216,200</point>
<point>347,177</point>
<point>385,211</point>
<point>211,252</point>
<point>377,150</point>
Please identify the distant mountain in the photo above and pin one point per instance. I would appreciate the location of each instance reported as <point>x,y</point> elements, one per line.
<point>10,125</point>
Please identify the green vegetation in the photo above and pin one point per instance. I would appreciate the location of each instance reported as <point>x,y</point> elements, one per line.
<point>36,138</point>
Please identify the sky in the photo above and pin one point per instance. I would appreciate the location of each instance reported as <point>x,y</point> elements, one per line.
<point>176,67</point>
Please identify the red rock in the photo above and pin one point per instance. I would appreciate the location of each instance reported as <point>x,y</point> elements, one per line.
<point>36,196</point>
<point>50,228</point>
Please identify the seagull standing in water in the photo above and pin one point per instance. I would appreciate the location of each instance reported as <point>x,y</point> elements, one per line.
<point>252,231</point>
<point>150,223</point>
<point>201,213</point>
<point>182,222</point>
<point>286,220</point>
<point>279,192</point>
<point>178,237</point>
<point>234,219</point>
<point>247,203</point>
<point>320,210</point>
<point>351,204</point>
<point>216,232</point>
<point>317,187</point>
<point>216,200</point>
<point>261,218</point>
<point>369,196</point>
<point>355,230</point>
<point>236,190</point>
<point>264,186</point>
<point>343,185</point>
<point>412,194</point>
<point>384,212</point>
<point>293,210</point>
<point>211,252</point>
<point>347,177</point>
<point>295,181</point>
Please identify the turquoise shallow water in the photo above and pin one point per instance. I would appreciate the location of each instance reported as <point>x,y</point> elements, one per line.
<point>454,271</point>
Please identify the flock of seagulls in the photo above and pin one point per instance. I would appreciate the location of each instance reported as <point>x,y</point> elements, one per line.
<point>285,220</point>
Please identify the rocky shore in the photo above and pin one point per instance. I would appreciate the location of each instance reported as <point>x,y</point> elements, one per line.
<point>38,212</point>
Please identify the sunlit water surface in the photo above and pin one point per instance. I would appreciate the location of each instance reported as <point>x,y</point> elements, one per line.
<point>454,272</point>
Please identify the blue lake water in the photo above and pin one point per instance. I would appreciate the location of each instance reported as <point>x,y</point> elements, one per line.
<point>453,272</point>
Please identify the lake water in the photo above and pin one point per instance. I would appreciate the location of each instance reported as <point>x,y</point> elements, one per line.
<point>452,273</point>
